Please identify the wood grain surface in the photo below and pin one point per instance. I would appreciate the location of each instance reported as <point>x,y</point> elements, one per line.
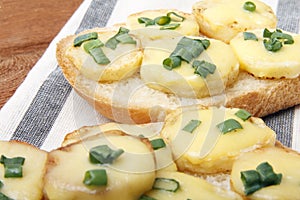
<point>26,29</point>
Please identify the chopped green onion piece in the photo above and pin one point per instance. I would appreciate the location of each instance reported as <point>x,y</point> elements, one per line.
<point>203,68</point>
<point>229,125</point>
<point>125,39</point>
<point>288,39</point>
<point>95,177</point>
<point>192,125</point>
<point>112,43</point>
<point>4,197</point>
<point>249,36</point>
<point>184,54</point>
<point>99,56</point>
<point>205,43</point>
<point>104,154</point>
<point>276,39</point>
<point>157,143</point>
<point>170,185</point>
<point>170,26</point>
<point>92,44</point>
<point>171,62</point>
<point>267,33</point>
<point>145,197</point>
<point>12,166</point>
<point>272,45</point>
<point>263,176</point>
<point>145,20</point>
<point>82,38</point>
<point>243,114</point>
<point>267,175</point>
<point>162,20</point>
<point>176,17</point>
<point>250,6</point>
<point>15,161</point>
<point>1,184</point>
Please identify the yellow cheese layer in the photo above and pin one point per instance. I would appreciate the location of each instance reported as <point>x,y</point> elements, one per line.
<point>191,188</point>
<point>182,81</point>
<point>260,62</point>
<point>124,60</point>
<point>206,149</point>
<point>286,163</point>
<point>130,175</point>
<point>188,27</point>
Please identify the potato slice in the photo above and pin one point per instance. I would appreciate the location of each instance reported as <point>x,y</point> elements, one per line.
<point>30,186</point>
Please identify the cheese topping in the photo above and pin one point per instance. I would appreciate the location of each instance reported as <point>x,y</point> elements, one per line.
<point>257,60</point>
<point>206,149</point>
<point>182,81</point>
<point>188,27</point>
<point>125,60</point>
<point>190,188</point>
<point>286,163</point>
<point>124,176</point>
<point>223,19</point>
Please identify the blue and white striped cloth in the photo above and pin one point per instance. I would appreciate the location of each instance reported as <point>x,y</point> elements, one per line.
<point>45,107</point>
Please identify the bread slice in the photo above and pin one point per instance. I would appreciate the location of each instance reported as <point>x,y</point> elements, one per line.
<point>128,176</point>
<point>30,185</point>
<point>131,101</point>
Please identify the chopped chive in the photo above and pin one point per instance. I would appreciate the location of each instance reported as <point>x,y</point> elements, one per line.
<point>192,125</point>
<point>171,62</point>
<point>145,197</point>
<point>273,45</point>
<point>170,26</point>
<point>167,184</point>
<point>120,38</point>
<point>99,56</point>
<point>275,40</point>
<point>104,154</point>
<point>184,54</point>
<point>250,6</point>
<point>243,114</point>
<point>82,38</point>
<point>4,197</point>
<point>147,21</point>
<point>267,175</point>
<point>267,33</point>
<point>205,43</point>
<point>95,177</point>
<point>249,36</point>
<point>125,39</point>
<point>176,17</point>
<point>203,68</point>
<point>162,20</point>
<point>229,125</point>
<point>92,44</point>
<point>112,43</point>
<point>157,143</point>
<point>16,160</point>
<point>12,166</point>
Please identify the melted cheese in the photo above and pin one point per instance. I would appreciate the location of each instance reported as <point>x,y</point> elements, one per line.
<point>188,27</point>
<point>191,188</point>
<point>124,60</point>
<point>130,175</point>
<point>207,150</point>
<point>260,62</point>
<point>223,19</point>
<point>182,81</point>
<point>30,186</point>
<point>287,163</point>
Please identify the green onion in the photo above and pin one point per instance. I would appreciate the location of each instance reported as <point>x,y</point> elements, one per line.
<point>125,39</point>
<point>243,114</point>
<point>171,62</point>
<point>176,16</point>
<point>249,36</point>
<point>1,184</point>
<point>147,21</point>
<point>276,39</point>
<point>184,54</point>
<point>145,197</point>
<point>103,154</point>
<point>92,44</point>
<point>99,56</point>
<point>82,38</point>
<point>170,26</point>
<point>192,125</point>
<point>170,185</point>
<point>205,43</point>
<point>263,176</point>
<point>203,68</point>
<point>12,166</point>
<point>162,20</point>
<point>95,177</point>
<point>250,6</point>
<point>272,45</point>
<point>157,143</point>
<point>229,125</point>
<point>4,197</point>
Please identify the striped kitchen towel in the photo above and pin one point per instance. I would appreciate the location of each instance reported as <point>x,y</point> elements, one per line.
<point>45,107</point>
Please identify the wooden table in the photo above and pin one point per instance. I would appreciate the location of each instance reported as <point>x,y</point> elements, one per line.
<point>26,29</point>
